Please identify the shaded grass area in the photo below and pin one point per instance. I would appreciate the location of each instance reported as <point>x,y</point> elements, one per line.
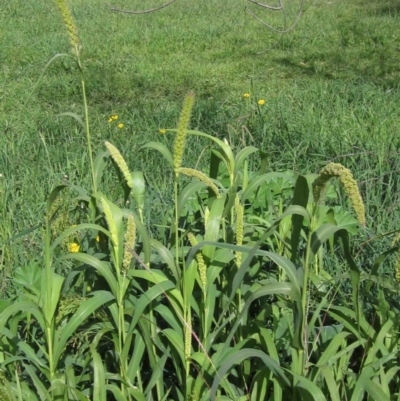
<point>331,91</point>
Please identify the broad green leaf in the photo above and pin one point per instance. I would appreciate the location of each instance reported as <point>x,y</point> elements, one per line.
<point>39,386</point>
<point>103,268</point>
<point>244,354</point>
<point>224,147</point>
<point>333,387</point>
<point>62,335</point>
<point>332,349</point>
<point>99,379</point>
<point>283,288</point>
<point>242,156</point>
<point>145,299</point>
<point>176,342</point>
<point>75,229</point>
<point>260,385</point>
<point>307,389</point>
<point>136,358</point>
<point>162,149</point>
<point>20,307</point>
<point>99,164</point>
<point>157,375</point>
<point>257,181</point>
<point>56,284</point>
<point>138,188</point>
<point>156,276</point>
<point>168,315</point>
<point>187,193</point>
<point>300,198</point>
<point>166,257</point>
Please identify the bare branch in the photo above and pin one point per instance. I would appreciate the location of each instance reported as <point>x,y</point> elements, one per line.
<point>267,6</point>
<point>119,10</point>
<point>284,30</point>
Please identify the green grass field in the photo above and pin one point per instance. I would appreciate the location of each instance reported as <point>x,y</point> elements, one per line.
<point>82,316</point>
<point>330,86</point>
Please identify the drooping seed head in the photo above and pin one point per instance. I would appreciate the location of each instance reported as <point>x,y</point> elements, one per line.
<point>120,162</point>
<point>348,182</point>
<point>190,172</point>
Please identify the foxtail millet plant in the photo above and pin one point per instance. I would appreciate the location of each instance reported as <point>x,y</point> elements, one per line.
<point>349,183</point>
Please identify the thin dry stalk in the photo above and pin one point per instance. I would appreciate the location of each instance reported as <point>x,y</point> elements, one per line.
<point>150,10</point>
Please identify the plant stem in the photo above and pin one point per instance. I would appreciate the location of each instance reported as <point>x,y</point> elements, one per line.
<point>87,127</point>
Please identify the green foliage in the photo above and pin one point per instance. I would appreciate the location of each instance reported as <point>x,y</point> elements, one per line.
<point>245,288</point>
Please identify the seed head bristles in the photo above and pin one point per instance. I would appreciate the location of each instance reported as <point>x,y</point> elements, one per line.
<point>181,132</point>
<point>348,182</point>
<point>190,172</point>
<point>188,340</point>
<point>396,242</point>
<point>70,25</point>
<point>239,228</point>
<point>206,215</point>
<point>200,262</point>
<point>130,240</point>
<point>110,222</point>
<point>121,163</point>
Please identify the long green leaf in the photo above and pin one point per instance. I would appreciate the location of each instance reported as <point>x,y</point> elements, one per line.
<point>238,357</point>
<point>97,299</point>
<point>99,379</point>
<point>242,156</point>
<point>307,389</point>
<point>103,268</point>
<point>162,149</point>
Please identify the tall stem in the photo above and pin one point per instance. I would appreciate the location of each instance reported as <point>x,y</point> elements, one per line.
<point>47,308</point>
<point>87,127</point>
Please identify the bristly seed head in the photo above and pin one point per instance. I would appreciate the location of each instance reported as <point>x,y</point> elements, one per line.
<point>130,240</point>
<point>348,182</point>
<point>70,25</point>
<point>120,162</point>
<point>190,172</point>
<point>181,132</point>
<point>202,268</point>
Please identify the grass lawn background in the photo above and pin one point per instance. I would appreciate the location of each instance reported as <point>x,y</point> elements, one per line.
<point>330,88</point>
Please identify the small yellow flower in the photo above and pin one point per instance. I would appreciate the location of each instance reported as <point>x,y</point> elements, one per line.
<point>261,102</point>
<point>162,131</point>
<point>73,247</point>
<point>120,125</point>
<point>114,117</point>
<point>110,120</point>
<point>246,95</point>
<point>98,238</point>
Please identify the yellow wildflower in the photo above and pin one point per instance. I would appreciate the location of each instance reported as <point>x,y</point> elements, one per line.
<point>73,247</point>
<point>114,117</point>
<point>162,131</point>
<point>110,120</point>
<point>98,238</point>
<point>261,102</point>
<point>120,125</point>
<point>246,95</point>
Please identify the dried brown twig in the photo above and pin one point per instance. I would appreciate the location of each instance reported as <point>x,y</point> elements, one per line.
<point>150,10</point>
<point>267,6</point>
<point>279,8</point>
